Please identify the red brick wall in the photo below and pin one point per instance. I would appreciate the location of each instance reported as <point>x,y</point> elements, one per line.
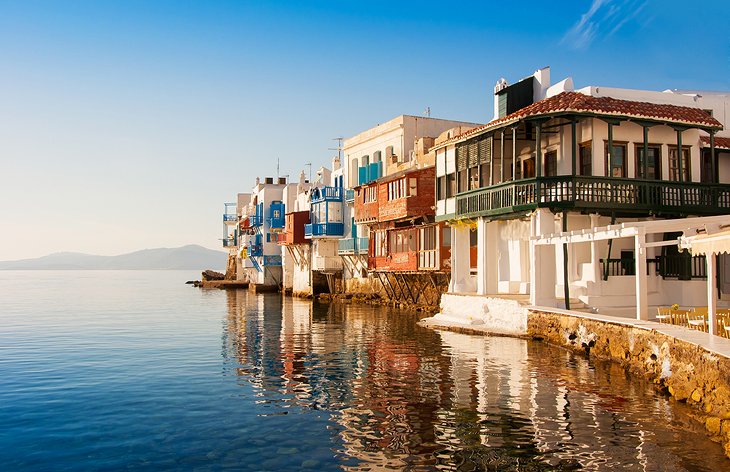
<point>365,212</point>
<point>408,207</point>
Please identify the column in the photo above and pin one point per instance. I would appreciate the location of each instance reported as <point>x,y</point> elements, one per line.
<point>711,293</point>
<point>642,296</point>
<point>514,152</point>
<point>460,278</point>
<point>482,258</point>
<point>542,275</point>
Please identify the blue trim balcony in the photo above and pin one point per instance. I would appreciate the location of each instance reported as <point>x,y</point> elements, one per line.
<point>349,195</point>
<point>229,242</point>
<point>256,250</point>
<point>229,213</point>
<point>257,219</point>
<point>353,246</point>
<point>329,194</point>
<point>324,229</point>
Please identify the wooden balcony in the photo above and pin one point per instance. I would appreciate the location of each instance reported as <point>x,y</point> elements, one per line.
<point>596,194</point>
<point>294,229</point>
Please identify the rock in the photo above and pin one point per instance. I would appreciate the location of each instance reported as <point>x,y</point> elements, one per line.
<point>696,395</point>
<point>712,424</point>
<point>212,275</point>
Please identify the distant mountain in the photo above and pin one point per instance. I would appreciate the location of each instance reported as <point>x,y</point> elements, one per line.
<point>191,257</point>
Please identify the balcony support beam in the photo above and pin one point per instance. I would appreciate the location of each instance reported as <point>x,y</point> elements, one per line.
<point>713,163</point>
<point>573,146</point>
<point>514,152</point>
<point>642,296</point>
<point>711,293</point>
<point>501,157</point>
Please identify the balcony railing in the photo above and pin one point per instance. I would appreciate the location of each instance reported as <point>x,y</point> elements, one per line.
<point>596,193</point>
<point>332,194</point>
<point>323,229</point>
<point>228,217</point>
<point>353,246</point>
<point>229,243</point>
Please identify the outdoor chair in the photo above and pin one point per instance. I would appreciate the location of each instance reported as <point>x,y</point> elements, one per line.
<point>664,315</point>
<point>697,318</point>
<point>680,317</point>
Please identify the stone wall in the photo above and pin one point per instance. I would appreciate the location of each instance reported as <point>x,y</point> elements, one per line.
<point>686,371</point>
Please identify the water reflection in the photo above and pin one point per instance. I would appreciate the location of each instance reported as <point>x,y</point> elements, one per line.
<point>404,397</point>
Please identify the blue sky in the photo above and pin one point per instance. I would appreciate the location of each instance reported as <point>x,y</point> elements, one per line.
<point>126,125</point>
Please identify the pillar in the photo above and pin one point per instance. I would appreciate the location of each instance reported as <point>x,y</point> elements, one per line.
<point>482,258</point>
<point>642,296</point>
<point>542,275</point>
<point>711,293</point>
<point>460,278</point>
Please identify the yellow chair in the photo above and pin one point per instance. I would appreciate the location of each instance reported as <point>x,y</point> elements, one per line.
<point>680,317</point>
<point>664,315</point>
<point>697,318</point>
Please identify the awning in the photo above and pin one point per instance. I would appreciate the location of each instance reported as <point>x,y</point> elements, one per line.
<point>716,243</point>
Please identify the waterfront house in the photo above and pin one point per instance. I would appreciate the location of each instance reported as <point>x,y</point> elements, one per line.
<point>262,221</point>
<point>296,248</point>
<point>557,159</point>
<point>326,226</point>
<point>398,145</point>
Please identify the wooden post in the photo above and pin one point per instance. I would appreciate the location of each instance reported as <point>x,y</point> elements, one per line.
<point>573,147</point>
<point>642,297</point>
<point>713,169</point>
<point>645,164</point>
<point>566,282</point>
<point>609,171</point>
<point>501,157</point>
<point>711,293</point>
<point>514,152</point>
<point>491,164</point>
<point>538,160</point>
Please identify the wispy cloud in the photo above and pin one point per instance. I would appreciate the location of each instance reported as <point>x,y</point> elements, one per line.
<point>602,20</point>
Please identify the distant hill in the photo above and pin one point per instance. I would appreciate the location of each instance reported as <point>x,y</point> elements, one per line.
<point>191,257</point>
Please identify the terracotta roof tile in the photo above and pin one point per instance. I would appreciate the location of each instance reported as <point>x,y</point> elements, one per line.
<point>720,143</point>
<point>581,103</point>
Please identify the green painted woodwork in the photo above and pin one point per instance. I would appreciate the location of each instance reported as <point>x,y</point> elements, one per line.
<point>596,194</point>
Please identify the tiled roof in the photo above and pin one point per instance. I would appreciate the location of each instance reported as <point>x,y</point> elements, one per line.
<point>581,103</point>
<point>720,143</point>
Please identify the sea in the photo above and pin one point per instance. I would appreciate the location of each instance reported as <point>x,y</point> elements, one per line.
<point>135,370</point>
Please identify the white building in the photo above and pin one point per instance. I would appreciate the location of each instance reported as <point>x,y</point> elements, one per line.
<point>558,159</point>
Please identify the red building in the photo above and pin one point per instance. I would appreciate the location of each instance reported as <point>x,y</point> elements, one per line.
<point>404,239</point>
<point>294,229</point>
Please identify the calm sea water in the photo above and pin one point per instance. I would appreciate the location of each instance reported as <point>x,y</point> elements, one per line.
<point>135,370</point>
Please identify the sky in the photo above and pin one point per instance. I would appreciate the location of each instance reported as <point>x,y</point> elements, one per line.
<point>127,124</point>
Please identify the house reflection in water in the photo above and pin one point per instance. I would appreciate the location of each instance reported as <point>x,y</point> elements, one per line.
<point>398,395</point>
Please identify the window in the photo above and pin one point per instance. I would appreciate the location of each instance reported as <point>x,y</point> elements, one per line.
<point>381,247</point>
<point>397,189</point>
<point>450,185</point>
<point>376,156</point>
<point>551,163</point>
<point>412,187</point>
<point>585,159</point>
<point>484,170</point>
<point>441,188</point>
<point>616,160</point>
<point>446,236</point>
<point>463,181</point>
<point>674,164</point>
<point>653,162</point>
<point>706,168</point>
<point>402,241</point>
<point>473,178</point>
<point>371,194</point>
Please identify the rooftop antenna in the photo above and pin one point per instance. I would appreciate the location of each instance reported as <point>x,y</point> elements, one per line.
<point>309,164</point>
<point>427,112</point>
<point>338,148</point>
<point>277,168</point>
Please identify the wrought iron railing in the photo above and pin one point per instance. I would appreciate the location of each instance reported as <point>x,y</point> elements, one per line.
<point>324,229</point>
<point>675,266</point>
<point>327,194</point>
<point>596,193</point>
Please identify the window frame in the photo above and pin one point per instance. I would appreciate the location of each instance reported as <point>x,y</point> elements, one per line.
<point>687,168</point>
<point>624,166</point>
<point>638,150</point>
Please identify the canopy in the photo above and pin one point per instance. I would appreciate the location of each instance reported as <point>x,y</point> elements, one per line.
<point>716,243</point>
